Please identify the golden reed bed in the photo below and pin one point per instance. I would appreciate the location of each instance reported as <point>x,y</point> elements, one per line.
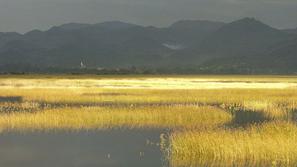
<point>211,121</point>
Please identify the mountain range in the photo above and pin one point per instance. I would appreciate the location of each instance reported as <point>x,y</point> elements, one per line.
<point>243,46</point>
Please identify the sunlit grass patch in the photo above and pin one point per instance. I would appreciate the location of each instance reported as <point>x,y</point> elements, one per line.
<point>152,82</point>
<point>208,97</point>
<point>272,144</point>
<point>180,117</point>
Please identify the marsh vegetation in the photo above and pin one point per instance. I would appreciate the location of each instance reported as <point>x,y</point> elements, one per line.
<point>204,121</point>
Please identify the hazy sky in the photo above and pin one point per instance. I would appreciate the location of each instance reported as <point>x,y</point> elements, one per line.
<point>25,15</point>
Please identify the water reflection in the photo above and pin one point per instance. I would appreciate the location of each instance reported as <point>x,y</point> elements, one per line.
<point>81,149</point>
<point>12,99</point>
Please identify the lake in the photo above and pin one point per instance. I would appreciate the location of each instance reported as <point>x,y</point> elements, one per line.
<point>115,148</point>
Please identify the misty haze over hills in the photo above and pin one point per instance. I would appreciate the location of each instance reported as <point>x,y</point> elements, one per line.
<point>242,46</point>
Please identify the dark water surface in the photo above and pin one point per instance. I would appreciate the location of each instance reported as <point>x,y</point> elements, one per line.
<point>81,149</point>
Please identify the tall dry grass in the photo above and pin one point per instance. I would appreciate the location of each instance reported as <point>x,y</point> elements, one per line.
<point>271,144</point>
<point>178,117</point>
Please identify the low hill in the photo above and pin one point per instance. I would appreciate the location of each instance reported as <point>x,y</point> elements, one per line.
<point>243,46</point>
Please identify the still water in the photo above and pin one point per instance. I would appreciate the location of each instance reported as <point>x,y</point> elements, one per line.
<point>81,149</point>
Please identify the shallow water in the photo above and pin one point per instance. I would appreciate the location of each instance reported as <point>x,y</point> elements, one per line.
<point>81,149</point>
<point>13,99</point>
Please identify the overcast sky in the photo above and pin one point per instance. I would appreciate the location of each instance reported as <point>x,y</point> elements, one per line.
<point>25,15</point>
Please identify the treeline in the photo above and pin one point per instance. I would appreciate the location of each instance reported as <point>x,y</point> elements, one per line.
<point>28,69</point>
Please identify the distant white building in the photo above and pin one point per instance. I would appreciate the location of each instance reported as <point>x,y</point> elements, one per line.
<point>174,46</point>
<point>82,65</point>
<point>100,68</point>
